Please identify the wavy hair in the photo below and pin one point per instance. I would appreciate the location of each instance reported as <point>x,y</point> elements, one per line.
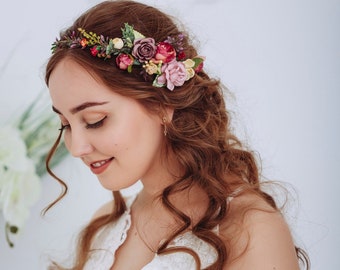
<point>199,133</point>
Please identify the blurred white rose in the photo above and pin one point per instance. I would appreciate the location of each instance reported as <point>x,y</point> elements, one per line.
<point>23,150</point>
<point>12,149</point>
<point>20,186</point>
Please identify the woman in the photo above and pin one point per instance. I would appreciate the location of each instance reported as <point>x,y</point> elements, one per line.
<point>135,104</point>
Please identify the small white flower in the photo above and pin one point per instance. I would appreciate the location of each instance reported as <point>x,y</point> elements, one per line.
<point>118,43</point>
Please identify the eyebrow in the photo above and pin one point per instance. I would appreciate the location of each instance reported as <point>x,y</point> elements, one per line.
<point>81,107</point>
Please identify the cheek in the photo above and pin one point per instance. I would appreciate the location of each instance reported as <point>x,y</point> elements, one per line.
<point>117,143</point>
<point>130,141</point>
<point>143,140</point>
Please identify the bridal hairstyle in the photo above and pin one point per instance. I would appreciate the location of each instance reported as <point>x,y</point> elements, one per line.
<point>199,134</point>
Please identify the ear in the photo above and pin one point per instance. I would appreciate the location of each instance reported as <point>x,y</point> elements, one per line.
<point>165,114</point>
<point>169,112</point>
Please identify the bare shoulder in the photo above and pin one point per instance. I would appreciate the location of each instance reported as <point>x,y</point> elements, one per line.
<point>257,236</point>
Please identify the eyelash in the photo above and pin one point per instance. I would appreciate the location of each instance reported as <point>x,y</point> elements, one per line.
<point>97,124</point>
<point>88,126</point>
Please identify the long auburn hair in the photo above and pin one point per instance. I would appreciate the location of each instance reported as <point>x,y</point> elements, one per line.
<point>199,133</point>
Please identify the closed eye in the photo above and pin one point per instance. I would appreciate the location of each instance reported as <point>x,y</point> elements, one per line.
<point>97,124</point>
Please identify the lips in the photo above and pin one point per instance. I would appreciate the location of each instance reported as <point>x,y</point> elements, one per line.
<point>100,166</point>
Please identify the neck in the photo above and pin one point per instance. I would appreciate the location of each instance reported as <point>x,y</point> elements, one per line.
<point>162,174</point>
<point>192,201</point>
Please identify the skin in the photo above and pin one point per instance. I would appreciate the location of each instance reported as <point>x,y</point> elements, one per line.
<point>107,129</point>
<point>110,126</point>
<point>264,240</point>
<point>100,125</point>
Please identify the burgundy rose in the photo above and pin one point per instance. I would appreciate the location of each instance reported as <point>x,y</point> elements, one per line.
<point>144,49</point>
<point>124,61</point>
<point>94,51</point>
<point>181,55</point>
<point>173,74</point>
<point>165,52</point>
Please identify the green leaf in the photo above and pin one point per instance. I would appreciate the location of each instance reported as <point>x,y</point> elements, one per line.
<point>198,61</point>
<point>129,69</point>
<point>138,35</point>
<point>128,32</point>
<point>109,48</point>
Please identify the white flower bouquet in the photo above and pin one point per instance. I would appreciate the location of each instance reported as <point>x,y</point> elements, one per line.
<point>24,145</point>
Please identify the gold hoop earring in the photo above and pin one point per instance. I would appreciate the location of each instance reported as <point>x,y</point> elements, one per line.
<point>165,131</point>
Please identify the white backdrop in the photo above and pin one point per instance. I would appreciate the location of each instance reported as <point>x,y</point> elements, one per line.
<point>280,58</point>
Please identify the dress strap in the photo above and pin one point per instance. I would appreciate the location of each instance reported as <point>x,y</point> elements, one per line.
<point>129,201</point>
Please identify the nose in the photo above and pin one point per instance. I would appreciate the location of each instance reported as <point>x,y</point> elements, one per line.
<point>81,150</point>
<point>78,144</point>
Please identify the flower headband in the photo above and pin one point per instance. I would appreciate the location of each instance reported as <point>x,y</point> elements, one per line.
<point>165,61</point>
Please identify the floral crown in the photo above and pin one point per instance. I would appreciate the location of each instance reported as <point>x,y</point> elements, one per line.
<point>165,61</point>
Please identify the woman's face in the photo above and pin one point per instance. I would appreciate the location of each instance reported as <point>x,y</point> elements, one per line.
<point>115,136</point>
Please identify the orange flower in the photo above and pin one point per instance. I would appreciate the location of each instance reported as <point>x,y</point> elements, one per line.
<point>83,42</point>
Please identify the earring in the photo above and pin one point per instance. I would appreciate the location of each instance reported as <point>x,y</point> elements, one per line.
<point>165,128</point>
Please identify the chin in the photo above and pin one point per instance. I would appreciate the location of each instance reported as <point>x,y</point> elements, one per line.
<point>114,185</point>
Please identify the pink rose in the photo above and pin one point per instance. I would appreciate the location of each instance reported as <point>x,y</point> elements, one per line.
<point>124,61</point>
<point>144,49</point>
<point>165,52</point>
<point>173,74</point>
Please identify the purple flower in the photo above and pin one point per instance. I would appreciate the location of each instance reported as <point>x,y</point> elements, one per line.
<point>173,74</point>
<point>144,49</point>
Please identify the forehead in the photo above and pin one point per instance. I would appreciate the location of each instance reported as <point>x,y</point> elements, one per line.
<point>69,74</point>
<point>71,85</point>
<point>70,82</point>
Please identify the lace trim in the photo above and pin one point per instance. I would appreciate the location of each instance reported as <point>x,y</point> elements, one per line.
<point>106,243</point>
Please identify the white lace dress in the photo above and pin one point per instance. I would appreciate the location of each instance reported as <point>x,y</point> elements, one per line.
<point>113,235</point>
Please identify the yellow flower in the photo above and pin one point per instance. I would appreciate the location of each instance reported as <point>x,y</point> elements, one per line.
<point>189,63</point>
<point>151,68</point>
<point>190,73</point>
